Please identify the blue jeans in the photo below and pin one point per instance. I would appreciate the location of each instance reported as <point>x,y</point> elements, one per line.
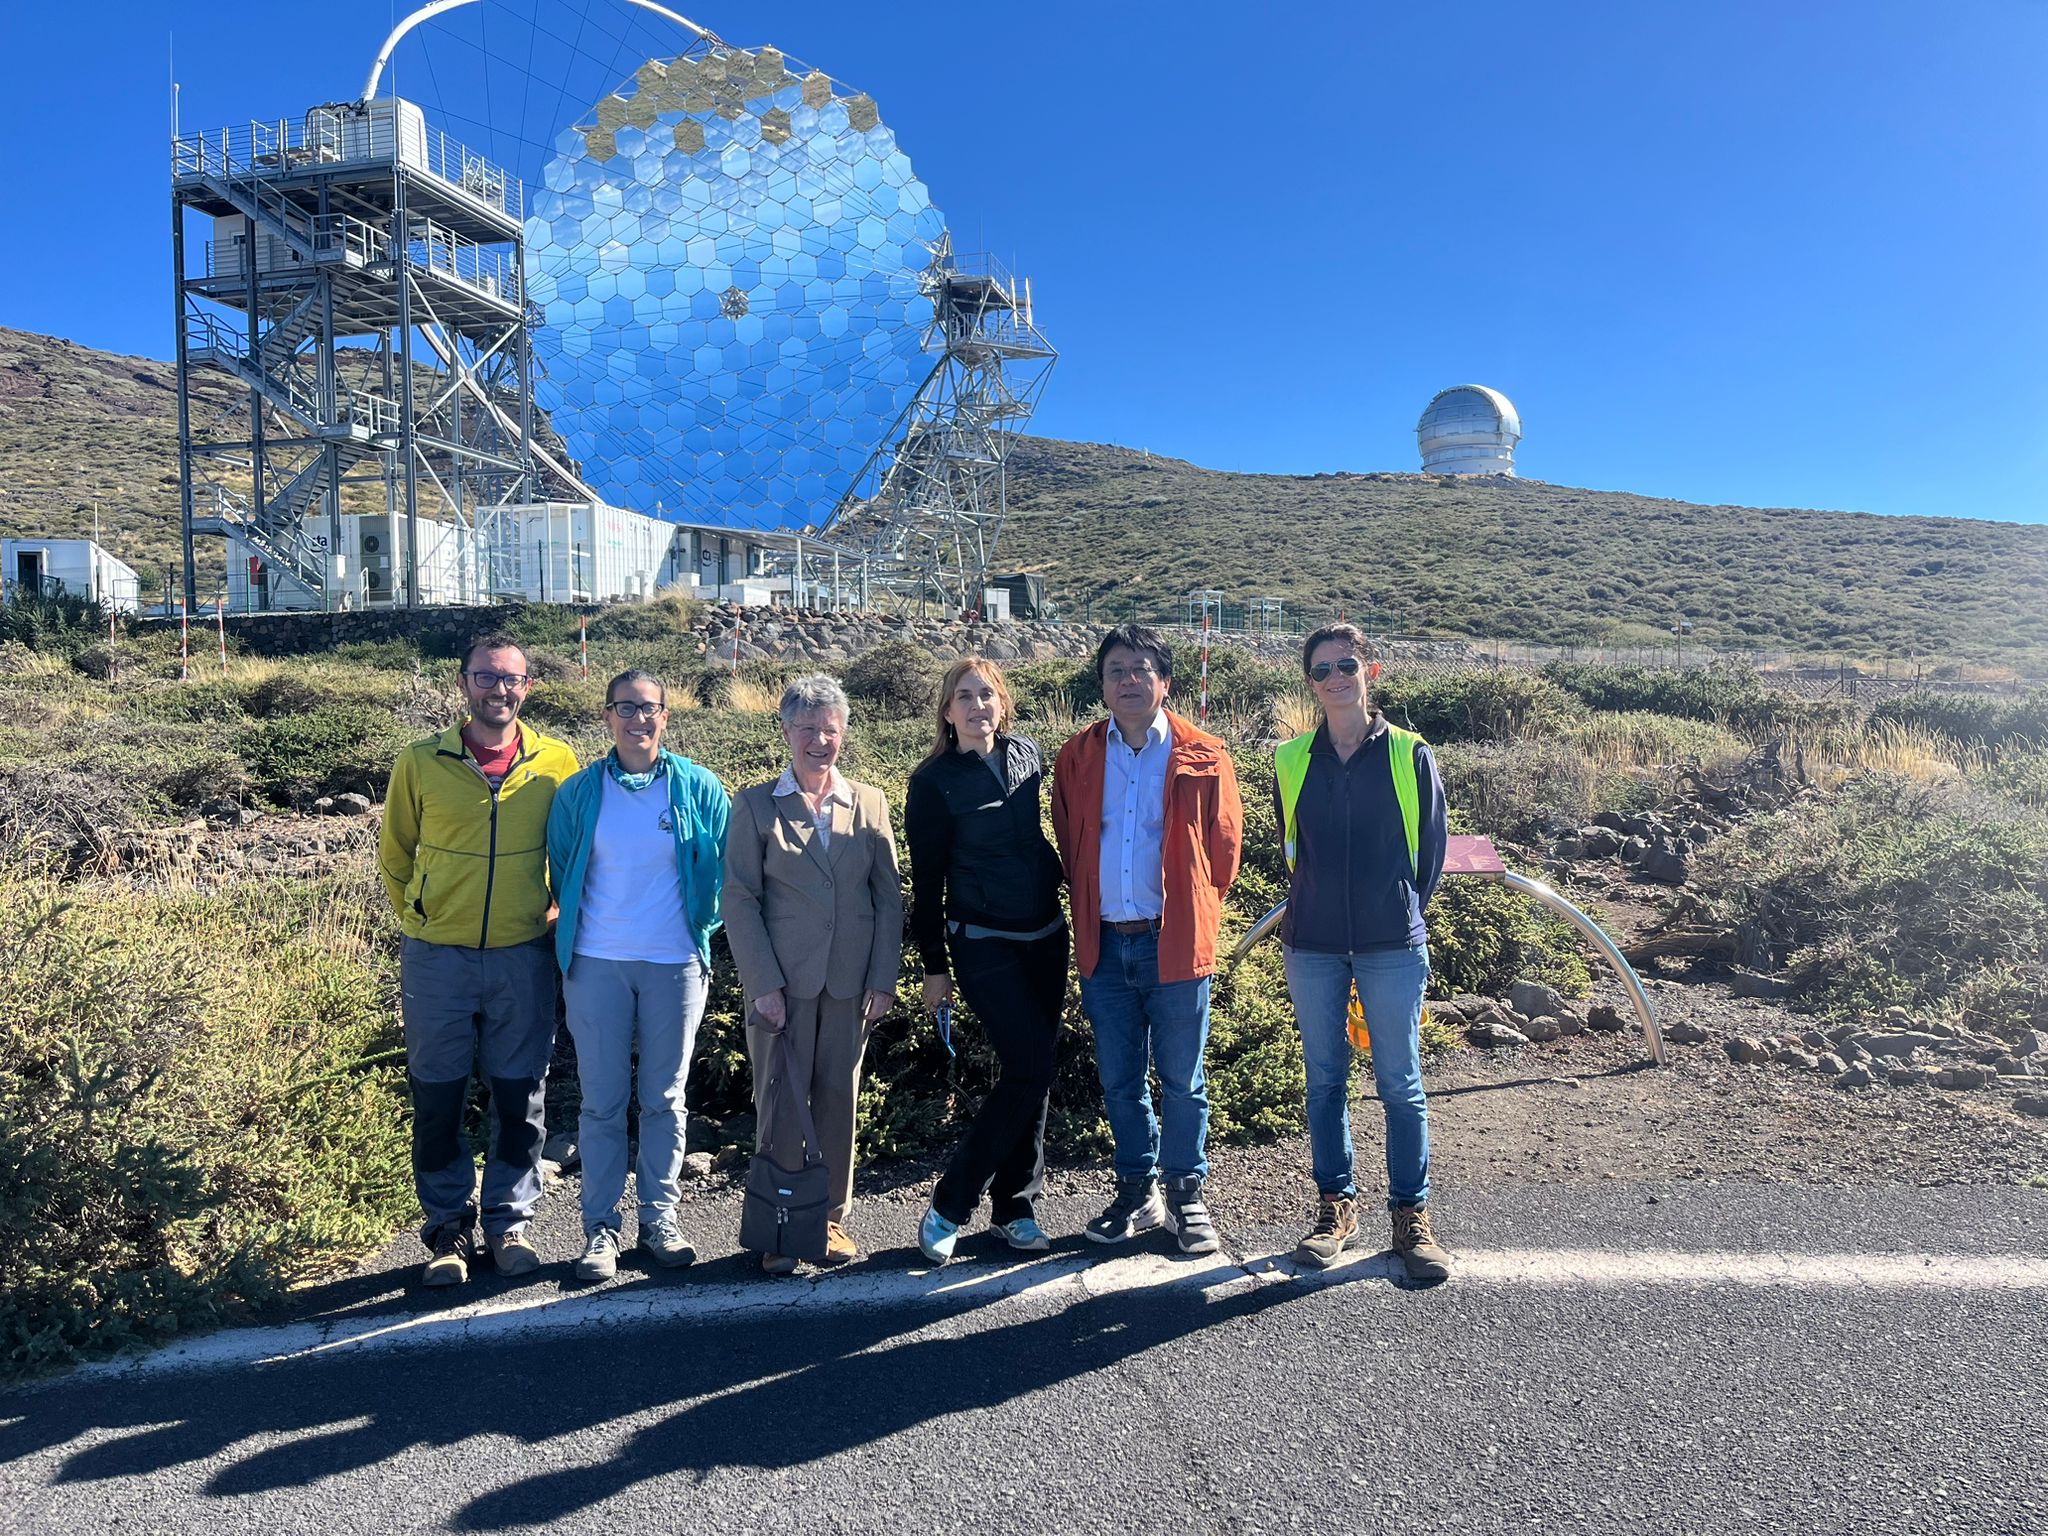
<point>1390,987</point>
<point>1141,1021</point>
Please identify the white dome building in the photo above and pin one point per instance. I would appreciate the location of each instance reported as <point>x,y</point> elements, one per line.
<point>1469,429</point>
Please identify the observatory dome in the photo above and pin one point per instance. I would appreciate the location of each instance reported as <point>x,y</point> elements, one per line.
<point>1469,429</point>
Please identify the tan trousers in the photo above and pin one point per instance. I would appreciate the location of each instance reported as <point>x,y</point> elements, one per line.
<point>829,1039</point>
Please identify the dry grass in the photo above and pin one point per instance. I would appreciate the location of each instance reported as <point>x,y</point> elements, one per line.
<point>1296,711</point>
<point>1615,742</point>
<point>1911,752</point>
<point>752,698</point>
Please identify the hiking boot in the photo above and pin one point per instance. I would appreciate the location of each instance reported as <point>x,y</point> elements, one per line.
<point>1187,1215</point>
<point>1417,1246</point>
<point>514,1253</point>
<point>1024,1234</point>
<point>1336,1225</point>
<point>665,1243</point>
<point>1136,1208</point>
<point>600,1259</point>
<point>777,1264</point>
<point>452,1248</point>
<point>936,1236</point>
<point>839,1248</point>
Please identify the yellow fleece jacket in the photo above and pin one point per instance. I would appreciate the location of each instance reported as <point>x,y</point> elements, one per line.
<point>465,865</point>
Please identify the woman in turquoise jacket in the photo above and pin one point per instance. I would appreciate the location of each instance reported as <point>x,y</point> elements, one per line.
<point>636,849</point>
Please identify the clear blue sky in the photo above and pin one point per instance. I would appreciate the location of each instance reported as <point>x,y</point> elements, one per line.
<point>1749,252</point>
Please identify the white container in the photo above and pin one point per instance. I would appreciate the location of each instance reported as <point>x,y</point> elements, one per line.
<point>77,566</point>
<point>231,249</point>
<point>388,128</point>
<point>746,594</point>
<point>995,605</point>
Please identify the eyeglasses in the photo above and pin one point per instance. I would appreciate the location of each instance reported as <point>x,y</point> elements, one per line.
<point>489,680</point>
<point>1143,672</point>
<point>1321,671</point>
<point>635,709</point>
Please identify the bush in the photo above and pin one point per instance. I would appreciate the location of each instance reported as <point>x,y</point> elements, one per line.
<point>329,750</point>
<point>1054,690</point>
<point>61,622</point>
<point>1477,706</point>
<point>1971,718</point>
<point>1892,893</point>
<point>179,1139</point>
<point>896,679</point>
<point>1736,697</point>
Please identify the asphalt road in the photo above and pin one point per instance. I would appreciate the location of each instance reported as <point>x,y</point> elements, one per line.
<point>1671,1358</point>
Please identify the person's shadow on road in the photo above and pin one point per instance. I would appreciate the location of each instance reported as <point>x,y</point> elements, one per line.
<point>766,1391</point>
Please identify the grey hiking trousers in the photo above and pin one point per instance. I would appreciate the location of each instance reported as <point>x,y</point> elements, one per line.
<point>494,1010</point>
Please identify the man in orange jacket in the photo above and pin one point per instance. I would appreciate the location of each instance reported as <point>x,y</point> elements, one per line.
<point>1146,810</point>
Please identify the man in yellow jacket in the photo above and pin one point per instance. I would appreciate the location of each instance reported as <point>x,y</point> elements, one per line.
<point>463,852</point>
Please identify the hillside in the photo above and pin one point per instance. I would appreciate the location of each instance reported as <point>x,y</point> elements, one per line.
<point>1515,559</point>
<point>1522,559</point>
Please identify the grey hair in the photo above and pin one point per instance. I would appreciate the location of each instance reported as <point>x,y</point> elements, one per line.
<point>813,694</point>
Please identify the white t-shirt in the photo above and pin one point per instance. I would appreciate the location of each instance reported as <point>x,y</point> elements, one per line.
<point>632,906</point>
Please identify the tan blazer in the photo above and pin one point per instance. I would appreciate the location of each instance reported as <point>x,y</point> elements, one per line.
<point>804,919</point>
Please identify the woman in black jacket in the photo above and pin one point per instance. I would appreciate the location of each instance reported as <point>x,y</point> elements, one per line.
<point>984,887</point>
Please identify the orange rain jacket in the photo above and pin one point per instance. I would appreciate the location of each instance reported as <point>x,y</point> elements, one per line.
<point>1199,845</point>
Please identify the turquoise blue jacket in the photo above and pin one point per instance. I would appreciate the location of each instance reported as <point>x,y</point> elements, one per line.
<point>699,808</point>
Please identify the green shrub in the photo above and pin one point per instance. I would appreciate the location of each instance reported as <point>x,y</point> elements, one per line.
<point>1054,689</point>
<point>179,1138</point>
<point>1518,792</point>
<point>1239,683</point>
<point>1494,705</point>
<point>328,750</point>
<point>895,679</point>
<point>664,618</point>
<point>1971,718</point>
<point>61,622</point>
<point>1891,893</point>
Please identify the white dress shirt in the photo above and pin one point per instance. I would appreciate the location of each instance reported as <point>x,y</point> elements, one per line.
<point>836,793</point>
<point>1132,867</point>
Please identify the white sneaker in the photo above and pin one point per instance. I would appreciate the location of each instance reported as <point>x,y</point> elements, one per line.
<point>600,1259</point>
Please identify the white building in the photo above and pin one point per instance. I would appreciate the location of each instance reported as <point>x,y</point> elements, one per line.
<point>1469,429</point>
<point>77,566</point>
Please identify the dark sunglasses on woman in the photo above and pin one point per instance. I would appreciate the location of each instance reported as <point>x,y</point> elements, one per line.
<point>1348,665</point>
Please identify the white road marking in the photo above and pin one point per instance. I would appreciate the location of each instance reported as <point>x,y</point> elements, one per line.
<point>1063,1280</point>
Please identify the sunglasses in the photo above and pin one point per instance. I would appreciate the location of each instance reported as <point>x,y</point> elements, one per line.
<point>1321,671</point>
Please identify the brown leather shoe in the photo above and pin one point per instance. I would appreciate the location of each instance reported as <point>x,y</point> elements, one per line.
<point>839,1248</point>
<point>1417,1246</point>
<point>1336,1225</point>
<point>777,1264</point>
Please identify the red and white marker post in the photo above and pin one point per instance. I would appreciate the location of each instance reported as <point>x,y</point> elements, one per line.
<point>583,644</point>
<point>220,624</point>
<point>184,643</point>
<point>1205,664</point>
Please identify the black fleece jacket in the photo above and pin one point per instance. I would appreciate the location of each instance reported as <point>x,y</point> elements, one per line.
<point>978,853</point>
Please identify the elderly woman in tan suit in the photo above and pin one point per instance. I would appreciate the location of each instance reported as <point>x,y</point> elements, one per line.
<point>814,913</point>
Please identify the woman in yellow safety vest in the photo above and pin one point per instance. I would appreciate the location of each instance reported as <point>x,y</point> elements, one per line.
<point>1361,813</point>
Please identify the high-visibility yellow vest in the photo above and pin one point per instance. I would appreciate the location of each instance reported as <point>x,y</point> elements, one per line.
<point>1290,767</point>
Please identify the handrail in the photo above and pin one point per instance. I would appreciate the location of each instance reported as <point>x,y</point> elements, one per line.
<point>1646,1012</point>
<point>264,149</point>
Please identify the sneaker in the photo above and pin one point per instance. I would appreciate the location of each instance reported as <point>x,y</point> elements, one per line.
<point>839,1248</point>
<point>1025,1234</point>
<point>1136,1208</point>
<point>1417,1246</point>
<point>1336,1225</point>
<point>514,1253</point>
<point>452,1248</point>
<point>1188,1216</point>
<point>666,1245</point>
<point>600,1259</point>
<point>777,1264</point>
<point>936,1236</point>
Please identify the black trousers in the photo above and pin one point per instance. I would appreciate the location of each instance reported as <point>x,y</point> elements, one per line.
<point>1017,989</point>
